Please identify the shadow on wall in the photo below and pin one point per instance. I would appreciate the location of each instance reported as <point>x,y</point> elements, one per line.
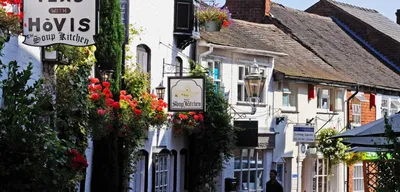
<point>24,54</point>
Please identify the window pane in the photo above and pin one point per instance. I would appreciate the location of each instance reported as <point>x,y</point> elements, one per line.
<point>217,70</point>
<point>245,180</point>
<point>279,169</point>
<point>252,158</point>
<point>260,160</point>
<point>253,176</point>
<point>285,100</point>
<point>237,176</point>
<point>245,159</point>
<point>259,179</point>
<point>210,69</point>
<point>241,73</point>
<point>237,159</point>
<point>240,92</point>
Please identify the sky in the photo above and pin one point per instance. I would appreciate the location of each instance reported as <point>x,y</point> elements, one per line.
<point>387,8</point>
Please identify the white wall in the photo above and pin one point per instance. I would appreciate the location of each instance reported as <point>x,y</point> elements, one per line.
<point>156,19</point>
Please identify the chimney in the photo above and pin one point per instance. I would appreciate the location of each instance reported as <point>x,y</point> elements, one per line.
<point>268,8</point>
<point>398,16</point>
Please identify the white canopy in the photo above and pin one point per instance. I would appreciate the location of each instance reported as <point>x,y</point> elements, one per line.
<point>368,141</point>
<point>375,128</point>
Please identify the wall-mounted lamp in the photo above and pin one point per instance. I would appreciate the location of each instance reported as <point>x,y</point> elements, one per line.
<point>106,75</point>
<point>160,90</point>
<point>255,83</point>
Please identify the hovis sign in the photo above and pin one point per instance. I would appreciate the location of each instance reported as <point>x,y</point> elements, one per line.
<point>71,22</point>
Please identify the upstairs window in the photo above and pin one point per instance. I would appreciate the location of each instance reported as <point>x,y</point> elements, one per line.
<point>143,56</point>
<point>288,94</point>
<point>385,107</point>
<point>184,16</point>
<point>356,111</point>
<point>324,98</point>
<point>214,71</point>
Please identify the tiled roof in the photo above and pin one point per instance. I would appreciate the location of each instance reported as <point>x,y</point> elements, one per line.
<point>300,62</point>
<point>372,18</point>
<point>327,40</point>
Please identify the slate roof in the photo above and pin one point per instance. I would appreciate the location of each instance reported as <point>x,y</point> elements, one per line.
<point>327,40</point>
<point>300,62</point>
<point>372,18</point>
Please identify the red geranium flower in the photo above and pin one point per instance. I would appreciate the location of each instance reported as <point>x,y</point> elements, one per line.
<point>116,105</point>
<point>106,84</point>
<point>94,80</point>
<point>95,96</point>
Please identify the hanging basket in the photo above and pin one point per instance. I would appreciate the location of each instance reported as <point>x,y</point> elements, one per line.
<point>212,26</point>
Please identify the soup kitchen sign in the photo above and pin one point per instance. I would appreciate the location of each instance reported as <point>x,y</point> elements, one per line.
<point>71,22</point>
<point>186,94</point>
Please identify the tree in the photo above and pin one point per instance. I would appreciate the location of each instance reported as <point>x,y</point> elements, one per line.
<point>109,44</point>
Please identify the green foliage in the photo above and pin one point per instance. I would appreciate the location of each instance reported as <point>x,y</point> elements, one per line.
<point>214,144</point>
<point>109,40</point>
<point>136,82</point>
<point>332,149</point>
<point>72,104</point>
<point>32,157</point>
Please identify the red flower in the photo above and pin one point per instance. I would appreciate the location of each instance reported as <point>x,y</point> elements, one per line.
<point>225,24</point>
<point>98,87</point>
<point>109,102</point>
<point>122,92</point>
<point>159,109</point>
<point>106,84</point>
<point>129,97</point>
<point>116,105</point>
<point>201,117</point>
<point>122,97</point>
<point>95,96</point>
<point>137,111</point>
<point>94,80</point>
<point>106,91</point>
<point>192,113</point>
<point>196,117</point>
<point>101,111</point>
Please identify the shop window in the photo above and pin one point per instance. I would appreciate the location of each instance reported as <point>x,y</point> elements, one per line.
<point>280,168</point>
<point>248,169</point>
<point>394,106</point>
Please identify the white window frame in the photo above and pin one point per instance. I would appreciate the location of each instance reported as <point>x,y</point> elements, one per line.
<point>281,172</point>
<point>161,172</point>
<point>321,96</point>
<point>357,113</point>
<point>243,95</point>
<point>211,67</point>
<point>389,105</point>
<point>358,177</point>
<point>246,171</point>
<point>142,58</point>
<point>138,177</point>
<point>320,177</point>
<point>339,98</point>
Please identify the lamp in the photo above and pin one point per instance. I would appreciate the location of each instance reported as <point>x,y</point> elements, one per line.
<point>254,83</point>
<point>160,90</point>
<point>106,75</point>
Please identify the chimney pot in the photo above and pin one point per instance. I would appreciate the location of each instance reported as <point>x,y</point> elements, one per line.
<point>398,16</point>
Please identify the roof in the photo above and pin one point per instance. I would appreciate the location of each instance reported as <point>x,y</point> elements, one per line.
<point>326,39</point>
<point>300,62</point>
<point>372,18</point>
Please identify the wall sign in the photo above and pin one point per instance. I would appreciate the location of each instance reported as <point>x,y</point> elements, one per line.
<point>186,94</point>
<point>303,134</point>
<point>72,22</point>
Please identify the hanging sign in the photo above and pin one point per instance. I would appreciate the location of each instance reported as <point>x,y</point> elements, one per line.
<point>303,134</point>
<point>71,22</point>
<point>186,94</point>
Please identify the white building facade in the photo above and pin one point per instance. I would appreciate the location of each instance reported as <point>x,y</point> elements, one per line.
<point>294,104</point>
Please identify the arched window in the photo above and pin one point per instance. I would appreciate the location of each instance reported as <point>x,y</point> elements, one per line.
<point>178,66</point>
<point>143,56</point>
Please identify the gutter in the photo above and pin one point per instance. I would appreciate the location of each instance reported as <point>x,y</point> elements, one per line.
<point>348,107</point>
<point>210,50</point>
<point>244,50</point>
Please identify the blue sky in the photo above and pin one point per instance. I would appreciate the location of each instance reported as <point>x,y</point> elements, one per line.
<point>387,8</point>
